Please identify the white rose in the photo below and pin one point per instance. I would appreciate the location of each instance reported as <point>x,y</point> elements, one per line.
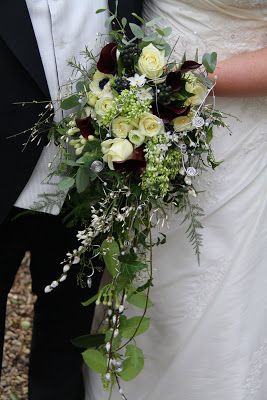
<point>136,137</point>
<point>196,88</point>
<point>103,105</point>
<point>183,123</point>
<point>151,62</point>
<point>121,127</point>
<point>116,150</point>
<point>150,125</point>
<point>99,82</point>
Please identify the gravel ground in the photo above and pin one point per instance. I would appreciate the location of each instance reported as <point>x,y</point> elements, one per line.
<point>13,384</point>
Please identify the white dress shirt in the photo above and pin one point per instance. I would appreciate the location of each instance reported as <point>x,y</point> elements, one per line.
<point>62,28</point>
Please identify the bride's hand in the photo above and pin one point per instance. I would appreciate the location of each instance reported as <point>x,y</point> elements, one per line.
<point>242,75</point>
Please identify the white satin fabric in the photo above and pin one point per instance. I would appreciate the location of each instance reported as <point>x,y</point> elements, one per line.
<point>208,336</point>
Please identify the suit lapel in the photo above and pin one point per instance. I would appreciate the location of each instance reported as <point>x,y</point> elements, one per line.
<point>16,30</point>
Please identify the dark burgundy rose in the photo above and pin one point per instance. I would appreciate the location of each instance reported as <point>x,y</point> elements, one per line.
<point>189,65</point>
<point>107,62</point>
<point>136,163</point>
<point>174,80</point>
<point>85,125</point>
<point>167,114</point>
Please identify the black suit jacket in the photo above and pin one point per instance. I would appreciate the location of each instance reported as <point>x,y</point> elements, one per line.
<point>23,79</point>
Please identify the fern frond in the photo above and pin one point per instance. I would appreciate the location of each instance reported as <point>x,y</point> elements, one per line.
<point>192,215</point>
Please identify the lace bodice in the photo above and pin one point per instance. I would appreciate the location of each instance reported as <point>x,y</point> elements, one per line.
<point>227,27</point>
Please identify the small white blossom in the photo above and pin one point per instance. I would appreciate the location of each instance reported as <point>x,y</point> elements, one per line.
<point>66,268</point>
<point>188,180</point>
<point>48,289</point>
<point>116,333</point>
<point>137,80</point>
<point>76,260</point>
<point>108,376</point>
<point>54,284</point>
<point>192,192</point>
<point>63,278</point>
<point>108,346</point>
<point>121,308</point>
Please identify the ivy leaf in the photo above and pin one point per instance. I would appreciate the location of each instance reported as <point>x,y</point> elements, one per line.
<point>70,102</point>
<point>137,31</point>
<point>82,179</point>
<point>128,327</point>
<point>209,61</point>
<point>95,360</point>
<point>133,364</point>
<point>110,251</point>
<point>130,268</point>
<point>66,183</point>
<point>139,300</point>
<point>86,341</point>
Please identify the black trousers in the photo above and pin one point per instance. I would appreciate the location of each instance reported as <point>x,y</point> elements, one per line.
<point>55,365</point>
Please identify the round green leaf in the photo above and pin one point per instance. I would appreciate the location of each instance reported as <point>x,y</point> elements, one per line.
<point>128,327</point>
<point>95,360</point>
<point>139,300</point>
<point>133,364</point>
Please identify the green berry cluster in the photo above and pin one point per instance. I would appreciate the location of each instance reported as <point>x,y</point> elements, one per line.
<point>127,105</point>
<point>160,168</point>
<point>130,106</point>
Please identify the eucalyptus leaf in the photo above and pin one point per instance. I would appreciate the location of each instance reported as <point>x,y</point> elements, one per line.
<point>70,102</point>
<point>82,179</point>
<point>66,183</point>
<point>109,21</point>
<point>137,31</point>
<point>167,31</point>
<point>100,10</point>
<point>124,21</point>
<point>95,360</point>
<point>86,341</point>
<point>139,18</point>
<point>209,60</point>
<point>128,327</point>
<point>110,251</point>
<point>133,364</point>
<point>153,21</point>
<point>71,163</point>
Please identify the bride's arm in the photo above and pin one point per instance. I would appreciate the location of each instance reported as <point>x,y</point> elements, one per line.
<point>242,75</point>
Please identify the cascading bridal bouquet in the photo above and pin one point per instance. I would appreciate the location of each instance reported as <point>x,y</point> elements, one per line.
<point>138,134</point>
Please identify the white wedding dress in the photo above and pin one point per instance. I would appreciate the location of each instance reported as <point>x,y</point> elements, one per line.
<point>208,335</point>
